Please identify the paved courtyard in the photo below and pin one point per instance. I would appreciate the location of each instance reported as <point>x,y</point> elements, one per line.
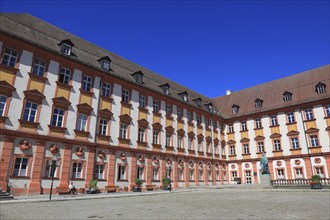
<point>201,204</point>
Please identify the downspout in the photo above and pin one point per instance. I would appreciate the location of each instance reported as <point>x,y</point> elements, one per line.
<point>302,119</point>
<point>98,107</point>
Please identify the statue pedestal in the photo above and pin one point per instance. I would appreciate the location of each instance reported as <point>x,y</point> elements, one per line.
<point>265,181</point>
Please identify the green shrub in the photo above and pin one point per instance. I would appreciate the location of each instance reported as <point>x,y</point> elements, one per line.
<point>138,182</point>
<point>166,181</point>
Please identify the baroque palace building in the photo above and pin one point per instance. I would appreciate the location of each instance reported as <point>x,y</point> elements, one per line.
<point>103,117</point>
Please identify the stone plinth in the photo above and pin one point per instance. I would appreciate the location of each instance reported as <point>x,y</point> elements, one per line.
<point>265,181</point>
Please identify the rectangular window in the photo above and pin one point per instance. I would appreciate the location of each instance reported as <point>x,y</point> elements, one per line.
<point>314,141</point>
<point>214,124</point>
<point>141,135</point>
<point>99,171</point>
<point>200,175</point>
<point>190,143</point>
<point>207,122</point>
<point>320,89</point>
<point>294,143</point>
<point>39,67</point>
<point>9,57</point>
<point>30,111</point>
<point>156,106</point>
<point>82,122</point>
<point>76,170</point>
<point>48,169</point>
<point>125,96</point>
<point>200,145</point>
<point>142,101</point>
<point>106,64</point>
<point>66,49</point>
<point>232,150</point>
<point>21,166</point>
<point>280,174</point>
<point>309,114</point>
<point>258,123</point>
<point>191,175</point>
<point>168,139</point>
<point>189,116</point>
<point>290,116</point>
<point>233,175</point>
<point>168,110</point>
<point>261,147</point>
<point>273,120</point>
<point>246,148</point>
<point>65,75</point>
<point>287,97</point>
<point>103,126</point>
<point>140,171</point>
<point>123,131</point>
<point>155,137</point>
<point>248,177</point>
<point>58,115</point>
<point>244,127</point>
<point>155,173</point>
<point>319,171</point>
<point>3,101</point>
<point>180,175</point>
<point>327,110</point>
<point>299,173</point>
<point>179,141</point>
<point>121,172</point>
<point>86,83</point>
<point>198,119</point>
<point>231,128</point>
<point>106,89</point>
<point>179,113</point>
<point>277,145</point>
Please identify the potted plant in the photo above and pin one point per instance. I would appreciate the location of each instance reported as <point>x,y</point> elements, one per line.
<point>316,182</point>
<point>167,183</point>
<point>92,187</point>
<point>138,185</point>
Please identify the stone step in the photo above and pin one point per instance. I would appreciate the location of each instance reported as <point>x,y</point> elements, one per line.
<point>5,196</point>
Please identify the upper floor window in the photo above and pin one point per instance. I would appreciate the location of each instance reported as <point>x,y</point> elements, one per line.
<point>198,119</point>
<point>232,150</point>
<point>207,122</point>
<point>320,88</point>
<point>103,126</point>
<point>198,102</point>
<point>314,140</point>
<point>141,134</point>
<point>214,124</point>
<point>87,83</point>
<point>287,96</point>
<point>65,75</point>
<point>66,49</point>
<point>168,139</point>
<point>123,131</point>
<point>179,113</point>
<point>258,123</point>
<point>277,145</point>
<point>258,103</point>
<point>3,101</point>
<point>10,57</point>
<point>179,141</point>
<point>125,96</point>
<point>58,115</point>
<point>168,110</point>
<point>39,67</point>
<point>294,143</point>
<point>105,63</point>
<point>82,122</point>
<point>184,96</point>
<point>156,106</point>
<point>309,114</point>
<point>273,119</point>
<point>290,116</point>
<point>261,147</point>
<point>189,116</point>
<point>166,88</point>
<point>155,137</point>
<point>246,148</point>
<point>231,128</point>
<point>235,109</point>
<point>106,89</point>
<point>142,101</point>
<point>209,106</point>
<point>244,126</point>
<point>30,111</point>
<point>327,110</point>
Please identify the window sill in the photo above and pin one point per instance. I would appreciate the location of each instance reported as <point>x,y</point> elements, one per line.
<point>191,151</point>
<point>81,133</point>
<point>57,129</point>
<point>38,78</point>
<point>274,151</point>
<point>12,70</point>
<point>63,85</point>
<point>28,123</point>
<point>310,120</point>
<point>191,124</point>
<point>156,146</point>
<point>295,149</point>
<point>314,147</point>
<point>231,132</point>
<point>3,119</point>
<point>103,137</point>
<point>85,92</point>
<point>73,178</point>
<point>274,126</point>
<point>241,131</point>
<point>292,123</point>
<point>261,152</point>
<point>106,98</point>
<point>169,148</point>
<point>158,114</point>
<point>144,110</point>
<point>326,117</point>
<point>232,155</point>
<point>19,177</point>
<point>142,143</point>
<point>122,180</point>
<point>124,140</point>
<point>49,178</point>
<point>256,129</point>
<point>246,154</point>
<point>124,104</point>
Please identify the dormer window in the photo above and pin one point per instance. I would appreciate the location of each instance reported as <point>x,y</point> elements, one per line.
<point>66,47</point>
<point>258,103</point>
<point>287,96</point>
<point>138,76</point>
<point>320,88</point>
<point>184,96</point>
<point>209,106</point>
<point>198,102</point>
<point>105,63</point>
<point>235,109</point>
<point>166,88</point>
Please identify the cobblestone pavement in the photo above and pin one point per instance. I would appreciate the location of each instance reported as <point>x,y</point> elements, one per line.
<point>181,204</point>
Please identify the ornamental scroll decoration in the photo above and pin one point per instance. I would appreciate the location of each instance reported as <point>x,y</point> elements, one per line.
<point>209,166</point>
<point>233,166</point>
<point>54,148</point>
<point>317,160</point>
<point>217,166</point>
<point>25,145</point>
<point>279,163</point>
<point>141,158</point>
<point>101,154</point>
<point>155,161</point>
<point>297,162</point>
<point>181,164</point>
<point>123,156</point>
<point>200,165</point>
<point>247,165</point>
<point>79,151</point>
<point>191,165</point>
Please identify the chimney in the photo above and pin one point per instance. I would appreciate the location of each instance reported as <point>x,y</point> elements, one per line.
<point>228,92</point>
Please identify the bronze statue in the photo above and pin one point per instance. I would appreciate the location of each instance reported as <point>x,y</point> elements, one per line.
<point>264,164</point>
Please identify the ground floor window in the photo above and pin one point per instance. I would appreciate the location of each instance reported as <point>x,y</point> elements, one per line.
<point>191,174</point>
<point>248,177</point>
<point>21,166</point>
<point>319,171</point>
<point>200,175</point>
<point>99,171</point>
<point>233,175</point>
<point>76,170</point>
<point>121,172</point>
<point>48,169</point>
<point>181,175</point>
<point>209,175</point>
<point>155,173</point>
<point>299,173</point>
<point>280,174</point>
<point>140,172</point>
<point>217,175</point>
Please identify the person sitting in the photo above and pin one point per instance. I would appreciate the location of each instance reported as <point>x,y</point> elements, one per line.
<point>72,188</point>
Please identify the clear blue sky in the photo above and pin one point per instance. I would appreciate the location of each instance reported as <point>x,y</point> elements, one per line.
<point>208,46</point>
